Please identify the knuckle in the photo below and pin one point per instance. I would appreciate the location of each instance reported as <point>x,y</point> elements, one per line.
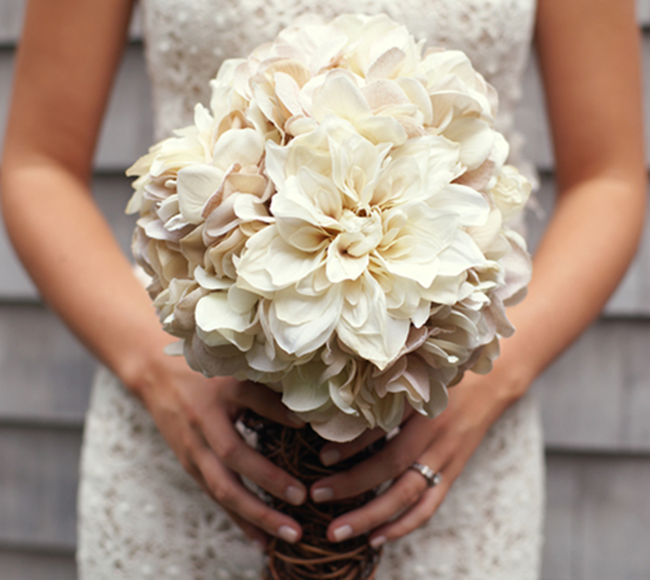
<point>188,442</point>
<point>192,415</point>
<point>223,494</point>
<point>396,462</point>
<point>228,450</point>
<point>408,494</point>
<point>191,446</point>
<point>266,520</point>
<point>275,478</point>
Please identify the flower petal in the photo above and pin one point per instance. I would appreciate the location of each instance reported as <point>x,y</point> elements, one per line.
<point>196,183</point>
<point>302,391</point>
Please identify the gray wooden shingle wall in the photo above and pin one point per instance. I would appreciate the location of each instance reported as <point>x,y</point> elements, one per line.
<point>595,399</point>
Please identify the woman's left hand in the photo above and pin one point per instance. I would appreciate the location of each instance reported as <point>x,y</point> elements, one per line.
<point>444,444</point>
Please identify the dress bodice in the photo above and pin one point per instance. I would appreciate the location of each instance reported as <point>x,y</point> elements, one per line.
<point>187,41</point>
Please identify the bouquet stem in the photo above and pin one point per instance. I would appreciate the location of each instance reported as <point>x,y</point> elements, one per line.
<point>314,557</point>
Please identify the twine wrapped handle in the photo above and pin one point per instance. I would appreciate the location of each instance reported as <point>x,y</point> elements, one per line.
<point>297,451</point>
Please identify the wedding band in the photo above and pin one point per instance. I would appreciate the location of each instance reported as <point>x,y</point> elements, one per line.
<point>425,471</point>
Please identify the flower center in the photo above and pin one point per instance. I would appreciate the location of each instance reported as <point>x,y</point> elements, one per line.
<point>362,231</point>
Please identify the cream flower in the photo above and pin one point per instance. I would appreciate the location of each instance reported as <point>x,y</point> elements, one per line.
<point>510,192</point>
<point>359,239</point>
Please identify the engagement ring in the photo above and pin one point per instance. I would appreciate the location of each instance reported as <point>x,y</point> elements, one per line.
<point>432,478</point>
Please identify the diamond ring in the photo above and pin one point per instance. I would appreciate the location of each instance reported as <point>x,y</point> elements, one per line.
<point>425,471</point>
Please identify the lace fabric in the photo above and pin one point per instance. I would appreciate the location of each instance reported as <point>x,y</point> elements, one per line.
<point>140,515</point>
<point>187,41</point>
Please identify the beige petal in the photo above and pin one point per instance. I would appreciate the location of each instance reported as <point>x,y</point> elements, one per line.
<point>341,427</point>
<point>339,96</point>
<point>288,92</point>
<point>387,65</point>
<point>196,184</point>
<point>384,93</point>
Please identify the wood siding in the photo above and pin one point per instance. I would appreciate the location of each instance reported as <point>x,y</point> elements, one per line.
<point>595,399</point>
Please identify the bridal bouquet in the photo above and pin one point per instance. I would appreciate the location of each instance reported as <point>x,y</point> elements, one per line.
<point>335,224</point>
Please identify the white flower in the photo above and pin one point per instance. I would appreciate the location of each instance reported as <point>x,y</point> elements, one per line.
<point>510,192</point>
<point>456,89</point>
<point>378,47</point>
<point>359,239</point>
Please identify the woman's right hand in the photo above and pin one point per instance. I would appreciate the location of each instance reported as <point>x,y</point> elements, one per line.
<point>197,417</point>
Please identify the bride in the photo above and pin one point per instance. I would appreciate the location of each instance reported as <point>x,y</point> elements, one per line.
<point>141,514</point>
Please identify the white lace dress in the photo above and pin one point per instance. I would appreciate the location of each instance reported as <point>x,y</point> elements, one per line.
<point>140,515</point>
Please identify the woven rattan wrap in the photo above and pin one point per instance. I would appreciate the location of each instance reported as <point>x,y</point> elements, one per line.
<point>314,557</point>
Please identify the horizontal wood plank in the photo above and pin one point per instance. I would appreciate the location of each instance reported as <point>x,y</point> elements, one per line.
<point>643,12</point>
<point>598,517</point>
<point>12,13</point>
<point>45,372</point>
<point>38,487</point>
<point>597,394</point>
<point>21,565</point>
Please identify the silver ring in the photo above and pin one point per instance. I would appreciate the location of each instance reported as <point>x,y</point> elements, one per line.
<point>425,471</point>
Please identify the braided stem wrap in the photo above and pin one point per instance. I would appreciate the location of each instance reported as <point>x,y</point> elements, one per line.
<point>314,557</point>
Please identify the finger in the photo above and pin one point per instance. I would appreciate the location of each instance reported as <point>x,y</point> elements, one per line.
<point>334,452</point>
<point>393,460</point>
<point>226,489</point>
<point>411,519</point>
<point>255,533</point>
<point>420,512</point>
<point>401,496</point>
<point>263,401</point>
<point>229,447</point>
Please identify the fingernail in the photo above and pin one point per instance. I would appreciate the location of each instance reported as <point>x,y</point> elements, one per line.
<point>322,494</point>
<point>294,419</point>
<point>288,534</point>
<point>378,542</point>
<point>294,495</point>
<point>330,456</point>
<point>342,533</point>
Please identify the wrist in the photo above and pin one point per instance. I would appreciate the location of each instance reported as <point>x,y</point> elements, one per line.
<point>145,366</point>
<point>509,381</point>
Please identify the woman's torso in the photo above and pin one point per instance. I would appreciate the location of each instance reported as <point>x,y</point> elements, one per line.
<point>187,41</point>
<point>141,516</point>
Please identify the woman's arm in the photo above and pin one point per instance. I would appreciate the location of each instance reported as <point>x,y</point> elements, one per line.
<point>589,55</point>
<point>66,62</point>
